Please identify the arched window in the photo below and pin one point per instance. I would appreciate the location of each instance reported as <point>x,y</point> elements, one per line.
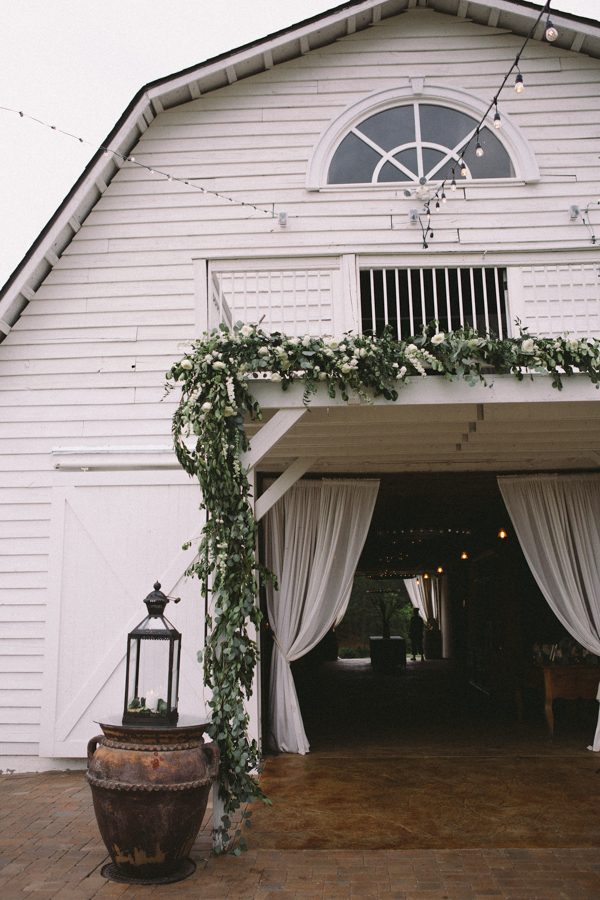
<point>416,142</point>
<point>415,134</point>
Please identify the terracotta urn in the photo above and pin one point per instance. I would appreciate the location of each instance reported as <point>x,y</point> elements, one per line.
<point>150,788</point>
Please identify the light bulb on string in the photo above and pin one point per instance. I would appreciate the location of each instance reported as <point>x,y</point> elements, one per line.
<point>551,32</point>
<point>444,198</point>
<point>453,182</point>
<point>479,151</point>
<point>463,168</point>
<point>519,83</point>
<point>497,119</point>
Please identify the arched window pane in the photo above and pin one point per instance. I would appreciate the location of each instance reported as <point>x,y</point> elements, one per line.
<point>391,128</point>
<point>392,173</point>
<point>430,159</point>
<point>440,125</point>
<point>353,162</point>
<point>495,163</point>
<point>356,162</point>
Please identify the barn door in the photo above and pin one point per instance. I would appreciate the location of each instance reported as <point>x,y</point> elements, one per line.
<point>113,535</point>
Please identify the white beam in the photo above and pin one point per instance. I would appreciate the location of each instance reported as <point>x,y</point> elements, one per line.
<point>270,434</point>
<point>276,490</point>
<point>432,391</point>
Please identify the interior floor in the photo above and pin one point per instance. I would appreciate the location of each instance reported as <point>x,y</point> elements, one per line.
<point>419,759</point>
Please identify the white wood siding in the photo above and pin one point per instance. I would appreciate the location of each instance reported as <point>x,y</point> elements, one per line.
<point>84,365</point>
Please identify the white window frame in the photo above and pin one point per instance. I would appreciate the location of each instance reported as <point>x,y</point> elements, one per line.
<point>522,157</point>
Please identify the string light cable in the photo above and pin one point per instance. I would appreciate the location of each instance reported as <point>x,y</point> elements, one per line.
<point>126,158</point>
<point>551,34</point>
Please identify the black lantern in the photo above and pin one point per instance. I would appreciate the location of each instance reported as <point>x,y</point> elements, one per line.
<point>152,677</point>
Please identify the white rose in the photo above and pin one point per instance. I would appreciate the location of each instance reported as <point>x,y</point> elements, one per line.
<point>246,330</point>
<point>275,376</point>
<point>571,345</point>
<point>263,351</point>
<point>206,407</point>
<point>218,365</point>
<point>438,338</point>
<point>229,411</point>
<point>208,358</point>
<point>342,348</point>
<point>293,341</point>
<point>346,368</point>
<point>362,352</point>
<point>306,340</point>
<point>322,376</point>
<point>412,348</point>
<point>528,346</point>
<point>186,364</point>
<point>332,343</point>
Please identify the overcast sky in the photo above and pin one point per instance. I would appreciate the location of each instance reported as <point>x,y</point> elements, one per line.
<point>78,63</point>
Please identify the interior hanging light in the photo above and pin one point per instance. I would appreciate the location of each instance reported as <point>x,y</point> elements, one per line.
<point>440,570</point>
<point>464,555</point>
<point>519,83</point>
<point>502,534</point>
<point>551,31</point>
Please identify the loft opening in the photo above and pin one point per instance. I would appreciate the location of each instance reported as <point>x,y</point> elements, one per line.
<point>405,299</point>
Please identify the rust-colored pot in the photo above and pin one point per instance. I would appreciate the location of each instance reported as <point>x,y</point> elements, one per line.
<point>150,788</point>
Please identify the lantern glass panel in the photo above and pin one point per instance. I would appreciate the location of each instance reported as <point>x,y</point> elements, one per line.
<point>148,692</point>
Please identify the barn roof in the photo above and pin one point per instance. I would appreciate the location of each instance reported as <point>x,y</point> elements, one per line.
<point>576,33</point>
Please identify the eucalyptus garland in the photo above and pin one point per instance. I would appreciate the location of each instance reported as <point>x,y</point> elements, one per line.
<point>216,378</point>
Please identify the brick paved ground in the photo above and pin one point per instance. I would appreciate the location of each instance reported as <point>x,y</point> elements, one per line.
<point>50,847</point>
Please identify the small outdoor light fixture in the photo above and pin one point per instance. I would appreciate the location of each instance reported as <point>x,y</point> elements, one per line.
<point>152,675</point>
<point>502,534</point>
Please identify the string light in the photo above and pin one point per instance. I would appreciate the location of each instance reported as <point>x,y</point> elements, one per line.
<point>519,83</point>
<point>127,158</point>
<point>479,151</point>
<point>551,34</point>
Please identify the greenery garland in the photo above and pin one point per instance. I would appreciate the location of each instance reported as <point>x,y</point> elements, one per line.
<point>216,378</point>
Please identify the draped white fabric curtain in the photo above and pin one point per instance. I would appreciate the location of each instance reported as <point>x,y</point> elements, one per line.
<point>415,595</point>
<point>557,521</point>
<point>314,538</point>
<point>423,593</point>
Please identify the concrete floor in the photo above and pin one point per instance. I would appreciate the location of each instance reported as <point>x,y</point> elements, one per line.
<point>445,801</point>
<point>419,761</point>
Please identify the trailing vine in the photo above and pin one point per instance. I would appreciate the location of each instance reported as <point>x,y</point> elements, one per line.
<point>216,378</point>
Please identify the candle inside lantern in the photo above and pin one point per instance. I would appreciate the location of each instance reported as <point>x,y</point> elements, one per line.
<point>151,700</point>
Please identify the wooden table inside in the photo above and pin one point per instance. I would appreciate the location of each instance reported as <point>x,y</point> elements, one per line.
<point>568,683</point>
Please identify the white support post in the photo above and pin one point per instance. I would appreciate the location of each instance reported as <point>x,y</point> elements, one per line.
<point>279,487</point>
<point>271,432</point>
<point>348,301</point>
<point>201,296</point>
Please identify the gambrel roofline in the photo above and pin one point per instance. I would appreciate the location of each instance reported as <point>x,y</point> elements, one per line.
<point>575,33</point>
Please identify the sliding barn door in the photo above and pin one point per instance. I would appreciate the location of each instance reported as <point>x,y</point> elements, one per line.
<point>113,535</point>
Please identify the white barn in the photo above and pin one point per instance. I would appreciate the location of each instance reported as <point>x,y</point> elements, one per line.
<point>265,185</point>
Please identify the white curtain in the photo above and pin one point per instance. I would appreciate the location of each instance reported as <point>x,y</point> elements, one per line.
<point>415,595</point>
<point>557,521</point>
<point>314,538</point>
<point>423,593</point>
